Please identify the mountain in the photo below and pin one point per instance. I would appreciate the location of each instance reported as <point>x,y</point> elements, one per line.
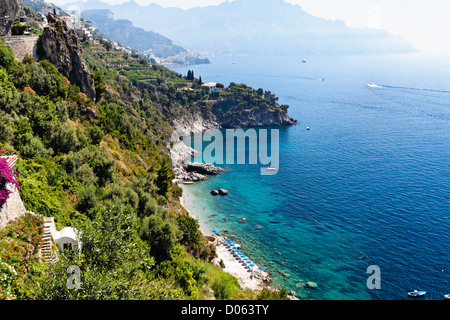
<point>125,32</point>
<point>255,27</point>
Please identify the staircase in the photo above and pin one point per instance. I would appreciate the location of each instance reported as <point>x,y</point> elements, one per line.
<point>46,252</point>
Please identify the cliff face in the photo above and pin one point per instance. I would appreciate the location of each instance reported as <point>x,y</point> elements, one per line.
<point>198,122</point>
<point>61,46</point>
<point>9,9</point>
<point>252,118</point>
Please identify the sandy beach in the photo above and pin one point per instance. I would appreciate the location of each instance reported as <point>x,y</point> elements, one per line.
<point>248,277</point>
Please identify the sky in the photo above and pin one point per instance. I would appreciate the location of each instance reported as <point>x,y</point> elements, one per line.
<point>426,24</point>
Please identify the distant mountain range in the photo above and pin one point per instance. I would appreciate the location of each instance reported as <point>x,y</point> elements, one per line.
<point>254,27</point>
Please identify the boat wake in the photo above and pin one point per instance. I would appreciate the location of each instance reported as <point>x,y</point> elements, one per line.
<point>372,85</point>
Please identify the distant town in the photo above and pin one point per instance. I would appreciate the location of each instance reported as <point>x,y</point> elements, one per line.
<point>27,25</point>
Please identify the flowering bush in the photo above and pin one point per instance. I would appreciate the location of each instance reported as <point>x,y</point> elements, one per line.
<point>19,241</point>
<point>7,276</point>
<point>7,176</point>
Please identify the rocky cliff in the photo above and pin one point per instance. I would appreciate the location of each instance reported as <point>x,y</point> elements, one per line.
<point>253,118</point>
<point>9,9</point>
<point>61,46</point>
<point>196,122</point>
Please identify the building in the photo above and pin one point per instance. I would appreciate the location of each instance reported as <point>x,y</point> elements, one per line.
<point>212,87</point>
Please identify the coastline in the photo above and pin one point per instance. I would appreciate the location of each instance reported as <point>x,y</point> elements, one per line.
<point>248,278</point>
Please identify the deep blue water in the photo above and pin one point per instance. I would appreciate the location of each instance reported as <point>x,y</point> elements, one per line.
<point>369,184</point>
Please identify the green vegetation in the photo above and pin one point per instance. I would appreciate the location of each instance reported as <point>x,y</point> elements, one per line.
<point>102,168</point>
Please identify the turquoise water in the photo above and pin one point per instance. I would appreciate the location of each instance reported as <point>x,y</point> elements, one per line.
<point>369,184</point>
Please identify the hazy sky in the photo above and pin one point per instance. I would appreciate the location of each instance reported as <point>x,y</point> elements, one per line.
<point>424,23</point>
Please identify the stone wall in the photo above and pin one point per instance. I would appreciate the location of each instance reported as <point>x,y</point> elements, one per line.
<point>12,208</point>
<point>22,45</point>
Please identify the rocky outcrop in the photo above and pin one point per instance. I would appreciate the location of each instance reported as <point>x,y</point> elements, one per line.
<point>194,123</point>
<point>9,9</point>
<point>61,46</point>
<point>202,168</point>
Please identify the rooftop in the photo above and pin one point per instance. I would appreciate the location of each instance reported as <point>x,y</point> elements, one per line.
<point>10,160</point>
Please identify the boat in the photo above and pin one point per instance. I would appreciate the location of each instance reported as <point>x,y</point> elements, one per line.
<point>416,293</point>
<point>447,297</point>
<point>303,60</point>
<point>188,182</point>
<point>271,168</point>
<point>308,128</point>
<point>373,85</point>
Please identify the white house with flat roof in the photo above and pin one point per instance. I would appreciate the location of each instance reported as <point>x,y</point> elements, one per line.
<point>212,87</point>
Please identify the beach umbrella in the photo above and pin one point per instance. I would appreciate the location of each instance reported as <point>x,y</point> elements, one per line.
<point>214,231</point>
<point>261,268</point>
<point>252,265</point>
<point>248,261</point>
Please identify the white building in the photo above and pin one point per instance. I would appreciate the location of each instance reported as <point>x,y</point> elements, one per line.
<point>212,87</point>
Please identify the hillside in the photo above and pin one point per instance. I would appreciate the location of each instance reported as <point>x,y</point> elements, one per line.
<point>103,165</point>
<point>255,27</point>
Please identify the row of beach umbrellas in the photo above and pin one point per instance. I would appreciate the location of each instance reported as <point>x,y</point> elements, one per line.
<point>240,255</point>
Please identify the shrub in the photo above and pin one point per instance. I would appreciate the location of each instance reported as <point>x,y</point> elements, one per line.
<point>224,286</point>
<point>30,146</point>
<point>161,235</point>
<point>8,276</point>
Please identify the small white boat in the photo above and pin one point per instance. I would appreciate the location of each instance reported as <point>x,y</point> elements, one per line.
<point>308,128</point>
<point>447,297</point>
<point>271,168</point>
<point>416,293</point>
<point>188,182</point>
<point>373,85</point>
<point>303,60</point>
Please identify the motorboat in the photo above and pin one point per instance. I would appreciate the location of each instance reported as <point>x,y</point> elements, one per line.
<point>271,168</point>
<point>308,128</point>
<point>416,293</point>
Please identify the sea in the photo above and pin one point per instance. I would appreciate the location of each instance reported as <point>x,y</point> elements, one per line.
<point>360,206</point>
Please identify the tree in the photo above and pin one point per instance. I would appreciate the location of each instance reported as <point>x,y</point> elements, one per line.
<point>164,180</point>
<point>17,29</point>
<point>161,235</point>
<point>100,86</point>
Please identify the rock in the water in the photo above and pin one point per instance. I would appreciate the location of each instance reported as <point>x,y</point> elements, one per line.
<point>214,192</point>
<point>60,45</point>
<point>223,192</point>
<point>202,168</point>
<point>9,9</point>
<point>242,220</point>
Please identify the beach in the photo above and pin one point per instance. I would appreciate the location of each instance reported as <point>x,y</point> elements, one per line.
<point>248,277</point>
